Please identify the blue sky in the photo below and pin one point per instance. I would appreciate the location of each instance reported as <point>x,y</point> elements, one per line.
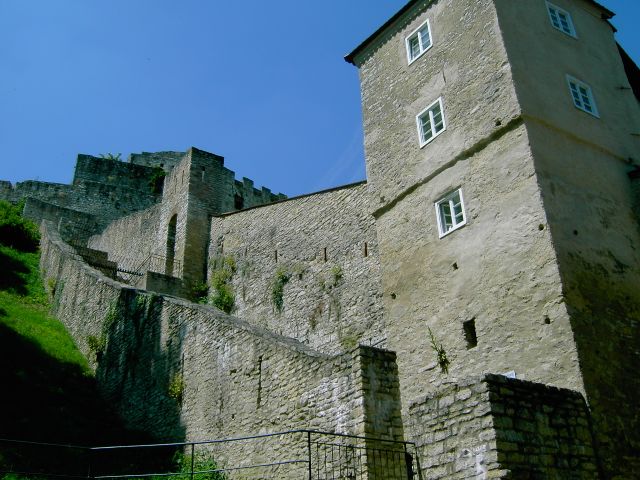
<point>262,83</point>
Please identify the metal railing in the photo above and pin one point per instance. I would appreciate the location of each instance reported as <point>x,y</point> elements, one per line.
<point>294,454</point>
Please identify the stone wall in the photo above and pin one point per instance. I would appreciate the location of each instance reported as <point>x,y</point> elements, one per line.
<point>106,202</point>
<point>466,66</point>
<point>131,240</point>
<point>113,172</point>
<point>322,251</point>
<point>589,203</point>
<point>234,378</point>
<point>496,427</point>
<point>73,225</point>
<point>164,160</point>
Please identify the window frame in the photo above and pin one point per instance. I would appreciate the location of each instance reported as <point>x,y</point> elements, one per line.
<point>558,10</point>
<point>439,213</point>
<point>416,33</point>
<point>592,100</point>
<point>428,110</point>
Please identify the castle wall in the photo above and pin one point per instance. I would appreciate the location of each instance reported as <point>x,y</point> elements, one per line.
<point>589,202</point>
<point>164,160</point>
<point>582,162</point>
<point>72,224</point>
<point>235,378</point>
<point>540,78</point>
<point>466,66</point>
<point>325,245</point>
<point>495,427</point>
<point>113,172</point>
<point>489,292</point>
<point>132,239</point>
<point>106,202</point>
<point>497,273</point>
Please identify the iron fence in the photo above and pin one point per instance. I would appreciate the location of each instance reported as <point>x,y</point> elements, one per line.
<point>294,454</point>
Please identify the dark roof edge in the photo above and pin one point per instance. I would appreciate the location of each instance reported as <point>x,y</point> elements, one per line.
<point>632,71</point>
<point>350,58</point>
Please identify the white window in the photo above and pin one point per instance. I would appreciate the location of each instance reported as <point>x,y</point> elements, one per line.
<point>582,96</point>
<point>450,213</point>
<point>430,122</point>
<point>561,20</point>
<point>419,41</point>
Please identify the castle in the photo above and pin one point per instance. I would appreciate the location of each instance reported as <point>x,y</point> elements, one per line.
<point>497,233</point>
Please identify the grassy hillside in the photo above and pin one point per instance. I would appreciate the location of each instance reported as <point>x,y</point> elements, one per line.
<point>49,393</point>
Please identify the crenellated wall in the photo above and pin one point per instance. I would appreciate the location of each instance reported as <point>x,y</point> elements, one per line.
<point>323,248</point>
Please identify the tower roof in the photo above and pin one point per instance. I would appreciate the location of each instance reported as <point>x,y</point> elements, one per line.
<point>606,15</point>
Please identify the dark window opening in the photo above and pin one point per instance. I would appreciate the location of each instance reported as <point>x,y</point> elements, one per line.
<point>470,333</point>
<point>171,245</point>
<point>238,202</point>
<point>366,249</point>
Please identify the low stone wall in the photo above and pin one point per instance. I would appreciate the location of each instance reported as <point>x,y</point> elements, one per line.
<point>185,371</point>
<point>107,202</point>
<point>72,224</point>
<point>497,427</point>
<point>318,280</point>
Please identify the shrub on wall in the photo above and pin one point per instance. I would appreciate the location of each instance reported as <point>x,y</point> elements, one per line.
<point>222,295</point>
<point>156,181</point>
<point>280,279</point>
<point>16,231</point>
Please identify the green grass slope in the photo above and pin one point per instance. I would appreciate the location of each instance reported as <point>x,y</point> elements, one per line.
<point>48,392</point>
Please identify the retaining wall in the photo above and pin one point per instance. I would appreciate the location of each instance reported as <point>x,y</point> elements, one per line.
<point>497,427</point>
<point>185,371</point>
<point>328,266</point>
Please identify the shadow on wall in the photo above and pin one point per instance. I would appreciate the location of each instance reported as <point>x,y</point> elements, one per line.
<point>139,372</point>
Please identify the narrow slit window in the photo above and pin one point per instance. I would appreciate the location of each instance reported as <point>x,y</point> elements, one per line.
<point>470,334</point>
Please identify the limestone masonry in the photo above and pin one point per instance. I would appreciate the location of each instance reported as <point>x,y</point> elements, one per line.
<point>497,236</point>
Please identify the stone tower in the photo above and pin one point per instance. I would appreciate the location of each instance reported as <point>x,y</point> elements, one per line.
<point>499,136</point>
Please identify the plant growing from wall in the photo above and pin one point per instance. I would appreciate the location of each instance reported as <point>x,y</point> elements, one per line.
<point>280,279</point>
<point>96,345</point>
<point>156,181</point>
<point>176,387</point>
<point>201,461</point>
<point>52,284</point>
<point>111,156</point>
<point>336,275</point>
<point>200,292</point>
<point>222,295</point>
<point>441,354</point>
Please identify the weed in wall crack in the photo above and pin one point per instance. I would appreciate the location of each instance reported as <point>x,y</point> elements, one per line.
<point>176,387</point>
<point>441,354</point>
<point>222,295</point>
<point>280,279</point>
